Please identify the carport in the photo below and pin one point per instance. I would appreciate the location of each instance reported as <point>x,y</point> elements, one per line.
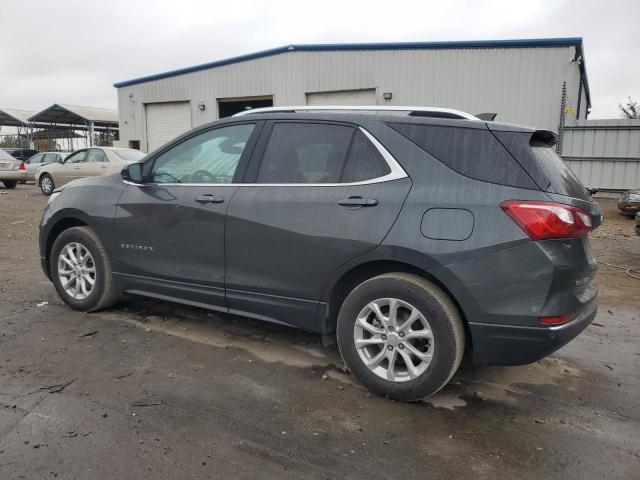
<point>97,126</point>
<point>20,128</point>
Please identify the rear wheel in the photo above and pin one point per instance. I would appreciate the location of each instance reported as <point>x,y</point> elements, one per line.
<point>401,336</point>
<point>81,271</point>
<point>10,184</point>
<point>46,184</point>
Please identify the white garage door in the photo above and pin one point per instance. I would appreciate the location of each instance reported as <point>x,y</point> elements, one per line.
<point>165,121</point>
<point>343,97</point>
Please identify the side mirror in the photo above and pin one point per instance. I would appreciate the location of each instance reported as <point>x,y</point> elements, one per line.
<point>132,173</point>
<point>60,160</point>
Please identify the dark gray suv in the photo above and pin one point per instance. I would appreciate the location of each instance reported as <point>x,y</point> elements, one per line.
<point>413,237</point>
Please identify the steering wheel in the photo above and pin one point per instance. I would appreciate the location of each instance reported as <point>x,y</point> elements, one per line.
<point>199,175</point>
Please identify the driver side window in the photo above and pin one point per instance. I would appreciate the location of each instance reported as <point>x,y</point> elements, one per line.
<point>211,157</point>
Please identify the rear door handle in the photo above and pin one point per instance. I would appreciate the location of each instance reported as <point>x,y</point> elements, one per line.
<point>208,198</point>
<point>358,202</point>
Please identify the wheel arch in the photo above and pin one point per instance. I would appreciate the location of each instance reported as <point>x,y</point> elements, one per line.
<point>338,290</point>
<point>60,225</point>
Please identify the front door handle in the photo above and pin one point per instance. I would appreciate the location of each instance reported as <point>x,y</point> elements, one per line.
<point>209,198</point>
<point>358,202</point>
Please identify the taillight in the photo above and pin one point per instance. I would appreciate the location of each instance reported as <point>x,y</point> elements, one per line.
<point>557,320</point>
<point>21,166</point>
<point>548,220</point>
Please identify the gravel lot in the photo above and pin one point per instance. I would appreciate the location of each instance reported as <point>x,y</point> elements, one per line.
<point>154,390</point>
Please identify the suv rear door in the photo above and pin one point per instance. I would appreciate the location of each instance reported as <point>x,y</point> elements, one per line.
<point>316,195</point>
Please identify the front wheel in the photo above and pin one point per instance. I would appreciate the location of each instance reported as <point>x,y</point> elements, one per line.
<point>81,271</point>
<point>401,336</point>
<point>46,184</point>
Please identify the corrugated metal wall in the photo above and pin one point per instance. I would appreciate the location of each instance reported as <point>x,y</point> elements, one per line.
<point>604,154</point>
<point>523,85</point>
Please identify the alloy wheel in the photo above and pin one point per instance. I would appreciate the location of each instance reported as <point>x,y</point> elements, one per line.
<point>393,339</point>
<point>76,270</point>
<point>46,184</point>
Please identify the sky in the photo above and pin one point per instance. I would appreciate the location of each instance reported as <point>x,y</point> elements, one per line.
<point>67,51</point>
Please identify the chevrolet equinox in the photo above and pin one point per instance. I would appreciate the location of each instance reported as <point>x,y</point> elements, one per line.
<point>410,236</point>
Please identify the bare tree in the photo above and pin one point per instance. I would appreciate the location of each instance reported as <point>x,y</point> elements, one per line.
<point>630,110</point>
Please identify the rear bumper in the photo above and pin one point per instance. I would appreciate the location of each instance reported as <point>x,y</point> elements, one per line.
<point>519,345</point>
<point>629,207</point>
<point>13,175</point>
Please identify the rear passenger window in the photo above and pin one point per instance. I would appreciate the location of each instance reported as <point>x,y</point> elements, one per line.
<point>305,153</point>
<point>364,161</point>
<point>96,156</point>
<point>473,152</point>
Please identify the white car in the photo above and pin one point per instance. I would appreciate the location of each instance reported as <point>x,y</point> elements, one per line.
<point>88,162</point>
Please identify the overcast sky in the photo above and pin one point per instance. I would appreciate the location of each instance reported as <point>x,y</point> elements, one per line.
<point>73,51</point>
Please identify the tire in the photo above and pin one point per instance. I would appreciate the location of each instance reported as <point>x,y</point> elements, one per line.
<point>9,184</point>
<point>102,294</point>
<point>47,185</point>
<point>436,317</point>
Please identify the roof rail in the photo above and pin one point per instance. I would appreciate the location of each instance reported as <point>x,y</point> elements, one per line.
<point>412,111</point>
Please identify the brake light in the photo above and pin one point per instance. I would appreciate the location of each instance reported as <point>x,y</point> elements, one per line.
<point>21,167</point>
<point>548,220</point>
<point>555,320</point>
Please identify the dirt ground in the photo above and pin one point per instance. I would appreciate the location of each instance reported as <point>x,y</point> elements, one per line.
<point>149,389</point>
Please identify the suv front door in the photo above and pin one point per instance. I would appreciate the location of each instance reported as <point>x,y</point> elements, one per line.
<point>170,230</point>
<point>324,193</point>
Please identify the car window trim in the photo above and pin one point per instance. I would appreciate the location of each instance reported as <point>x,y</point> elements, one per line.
<point>396,173</point>
<point>396,170</point>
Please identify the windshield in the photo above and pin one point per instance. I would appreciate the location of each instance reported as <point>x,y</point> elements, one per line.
<point>130,155</point>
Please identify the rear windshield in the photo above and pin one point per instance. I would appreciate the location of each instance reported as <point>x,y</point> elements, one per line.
<point>544,164</point>
<point>130,155</point>
<point>5,156</point>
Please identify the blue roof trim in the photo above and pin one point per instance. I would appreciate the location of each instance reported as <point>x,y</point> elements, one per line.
<point>522,43</point>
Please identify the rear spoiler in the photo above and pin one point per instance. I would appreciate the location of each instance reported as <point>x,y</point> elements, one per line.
<point>543,138</point>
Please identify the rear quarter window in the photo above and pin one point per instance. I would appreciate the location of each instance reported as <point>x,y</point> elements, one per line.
<point>472,152</point>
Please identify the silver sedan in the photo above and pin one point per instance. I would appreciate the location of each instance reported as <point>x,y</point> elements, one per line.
<point>39,159</point>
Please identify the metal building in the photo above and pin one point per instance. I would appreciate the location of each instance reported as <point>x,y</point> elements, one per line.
<point>604,154</point>
<point>534,82</point>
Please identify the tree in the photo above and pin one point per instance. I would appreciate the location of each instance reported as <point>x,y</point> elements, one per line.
<point>630,110</point>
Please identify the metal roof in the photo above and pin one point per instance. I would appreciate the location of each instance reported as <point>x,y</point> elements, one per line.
<point>465,44</point>
<point>10,117</point>
<point>76,115</point>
